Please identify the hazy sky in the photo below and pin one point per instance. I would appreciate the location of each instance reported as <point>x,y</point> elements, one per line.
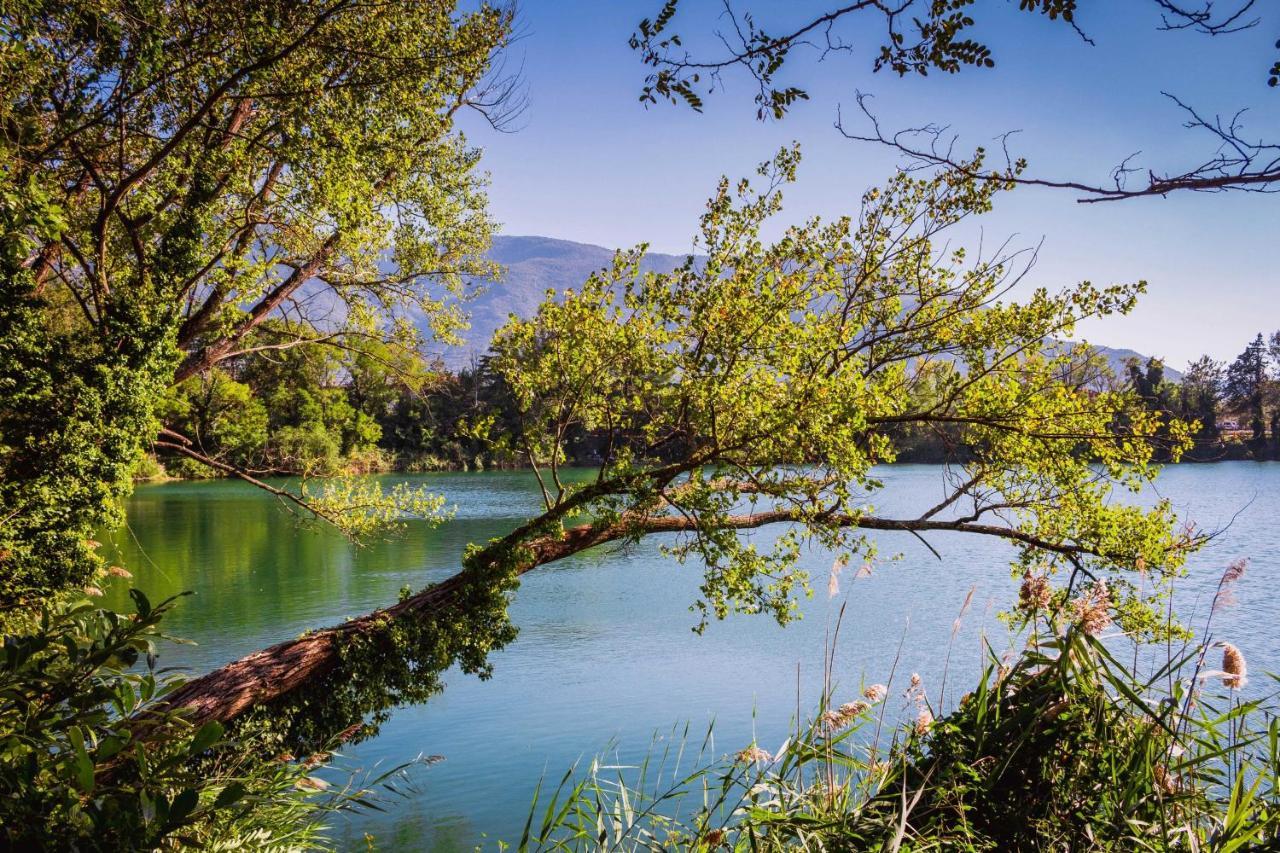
<point>588,162</point>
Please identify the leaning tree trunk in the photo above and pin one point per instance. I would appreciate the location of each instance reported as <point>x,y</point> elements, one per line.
<point>275,673</point>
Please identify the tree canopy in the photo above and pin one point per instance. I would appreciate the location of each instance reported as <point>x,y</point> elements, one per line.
<point>762,383</point>
<point>759,385</point>
<point>177,174</point>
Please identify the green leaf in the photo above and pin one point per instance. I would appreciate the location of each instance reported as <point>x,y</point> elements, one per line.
<point>229,795</point>
<point>140,602</point>
<point>81,765</point>
<point>206,737</point>
<point>183,805</point>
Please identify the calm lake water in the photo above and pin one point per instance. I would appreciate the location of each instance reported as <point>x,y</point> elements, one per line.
<point>605,658</point>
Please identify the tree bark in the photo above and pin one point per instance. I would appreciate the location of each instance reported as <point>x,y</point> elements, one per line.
<point>273,673</point>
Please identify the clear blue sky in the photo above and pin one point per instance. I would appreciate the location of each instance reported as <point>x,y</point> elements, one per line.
<point>590,163</point>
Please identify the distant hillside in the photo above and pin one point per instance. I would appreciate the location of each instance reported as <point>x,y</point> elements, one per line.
<point>537,264</point>
<point>534,265</point>
<point>1118,359</point>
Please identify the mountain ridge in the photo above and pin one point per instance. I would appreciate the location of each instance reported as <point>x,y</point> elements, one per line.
<point>535,264</point>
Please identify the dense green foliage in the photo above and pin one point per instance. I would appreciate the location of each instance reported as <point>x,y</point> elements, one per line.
<point>1235,408</point>
<point>335,410</point>
<point>180,182</point>
<point>89,761</point>
<point>75,416</point>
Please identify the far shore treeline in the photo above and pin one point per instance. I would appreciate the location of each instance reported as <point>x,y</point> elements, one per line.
<point>320,411</point>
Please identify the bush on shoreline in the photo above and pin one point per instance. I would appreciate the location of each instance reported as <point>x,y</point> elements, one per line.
<point>1064,747</point>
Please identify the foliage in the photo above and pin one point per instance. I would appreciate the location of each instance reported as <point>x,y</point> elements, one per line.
<point>1246,384</point>
<point>274,178</point>
<point>1199,394</point>
<point>74,417</point>
<point>925,36</point>
<point>761,384</point>
<point>220,415</point>
<point>360,506</point>
<point>917,39</point>
<point>182,181</point>
<point>394,659</point>
<point>1248,388</point>
<point>460,421</point>
<point>312,411</point>
<point>89,762</point>
<point>1065,747</point>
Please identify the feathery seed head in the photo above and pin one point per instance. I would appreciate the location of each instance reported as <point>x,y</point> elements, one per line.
<point>924,720</point>
<point>1093,608</point>
<point>753,755</point>
<point>1234,667</point>
<point>1034,594</point>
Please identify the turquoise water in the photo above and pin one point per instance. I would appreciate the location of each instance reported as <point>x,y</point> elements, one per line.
<point>606,654</point>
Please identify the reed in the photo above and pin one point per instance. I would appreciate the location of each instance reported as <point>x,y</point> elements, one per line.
<point>1061,747</point>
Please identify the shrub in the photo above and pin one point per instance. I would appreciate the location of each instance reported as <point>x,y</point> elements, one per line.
<point>90,761</point>
<point>1065,749</point>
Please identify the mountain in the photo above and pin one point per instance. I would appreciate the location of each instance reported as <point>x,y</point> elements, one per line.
<point>537,264</point>
<point>534,265</point>
<point>1119,359</point>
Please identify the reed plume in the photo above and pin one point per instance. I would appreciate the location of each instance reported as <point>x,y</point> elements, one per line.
<point>1235,672</point>
<point>1093,609</point>
<point>1034,594</point>
<point>753,755</point>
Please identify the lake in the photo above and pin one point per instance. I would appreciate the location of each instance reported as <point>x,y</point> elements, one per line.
<point>606,657</point>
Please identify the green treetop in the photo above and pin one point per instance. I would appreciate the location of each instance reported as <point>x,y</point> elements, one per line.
<point>174,174</point>
<point>763,383</point>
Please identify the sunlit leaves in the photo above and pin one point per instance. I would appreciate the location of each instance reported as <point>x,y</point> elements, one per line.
<point>762,382</point>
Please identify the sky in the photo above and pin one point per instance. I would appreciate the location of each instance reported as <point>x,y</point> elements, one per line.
<point>587,161</point>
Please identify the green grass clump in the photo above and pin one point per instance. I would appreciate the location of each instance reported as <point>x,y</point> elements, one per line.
<point>1064,748</point>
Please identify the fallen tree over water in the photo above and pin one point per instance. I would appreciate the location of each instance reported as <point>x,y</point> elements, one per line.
<point>761,385</point>
<point>273,674</point>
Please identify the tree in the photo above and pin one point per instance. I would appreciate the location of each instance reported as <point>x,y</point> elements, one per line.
<point>759,387</point>
<point>919,37</point>
<point>179,173</point>
<point>1156,394</point>
<point>1199,395</point>
<point>1246,385</point>
<point>222,416</point>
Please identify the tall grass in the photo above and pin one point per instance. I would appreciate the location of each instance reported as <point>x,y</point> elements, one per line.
<point>1065,747</point>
